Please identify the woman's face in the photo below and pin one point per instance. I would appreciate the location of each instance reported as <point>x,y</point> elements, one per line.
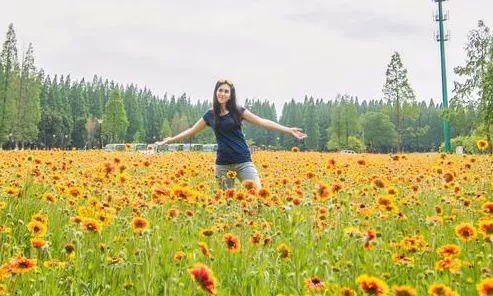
<point>223,93</point>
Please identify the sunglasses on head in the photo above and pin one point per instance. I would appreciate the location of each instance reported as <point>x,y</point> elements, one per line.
<point>226,81</point>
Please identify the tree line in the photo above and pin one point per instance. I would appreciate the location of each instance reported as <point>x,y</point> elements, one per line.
<point>39,111</point>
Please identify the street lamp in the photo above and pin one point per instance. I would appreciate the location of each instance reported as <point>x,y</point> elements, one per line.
<point>53,141</point>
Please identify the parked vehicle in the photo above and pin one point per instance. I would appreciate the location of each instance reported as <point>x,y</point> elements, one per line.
<point>347,151</point>
<point>209,148</point>
<point>114,147</point>
<point>154,148</point>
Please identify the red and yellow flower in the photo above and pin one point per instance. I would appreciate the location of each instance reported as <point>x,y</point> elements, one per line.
<point>314,284</point>
<point>139,224</point>
<point>204,278</point>
<point>465,231</point>
<point>232,242</point>
<point>485,287</point>
<point>371,285</point>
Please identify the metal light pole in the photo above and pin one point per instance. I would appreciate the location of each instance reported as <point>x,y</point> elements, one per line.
<point>440,37</point>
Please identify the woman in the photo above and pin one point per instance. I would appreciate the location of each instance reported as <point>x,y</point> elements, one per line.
<point>233,153</point>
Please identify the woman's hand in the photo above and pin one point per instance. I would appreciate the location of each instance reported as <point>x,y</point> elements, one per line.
<point>296,132</point>
<point>164,141</point>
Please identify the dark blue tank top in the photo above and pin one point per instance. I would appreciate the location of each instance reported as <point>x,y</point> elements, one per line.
<point>231,145</point>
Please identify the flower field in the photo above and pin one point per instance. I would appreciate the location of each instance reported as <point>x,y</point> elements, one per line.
<point>96,223</point>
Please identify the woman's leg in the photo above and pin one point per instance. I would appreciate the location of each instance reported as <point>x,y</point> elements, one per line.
<point>222,179</point>
<point>248,171</point>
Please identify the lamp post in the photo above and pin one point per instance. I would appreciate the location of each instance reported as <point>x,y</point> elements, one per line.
<point>54,136</point>
<point>440,37</point>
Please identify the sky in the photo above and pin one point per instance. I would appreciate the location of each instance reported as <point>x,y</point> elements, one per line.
<point>272,50</point>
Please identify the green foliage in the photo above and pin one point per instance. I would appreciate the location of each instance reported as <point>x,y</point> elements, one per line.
<point>355,144</point>
<point>479,42</point>
<point>134,115</point>
<point>115,123</point>
<point>399,95</point>
<point>477,89</point>
<point>262,137</point>
<point>379,133</point>
<point>165,130</point>
<point>57,112</point>
<point>27,105</point>
<point>179,123</point>
<point>469,143</point>
<point>486,104</point>
<point>344,123</point>
<point>9,84</point>
<point>311,122</point>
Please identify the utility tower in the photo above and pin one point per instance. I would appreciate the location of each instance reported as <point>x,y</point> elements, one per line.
<point>440,17</point>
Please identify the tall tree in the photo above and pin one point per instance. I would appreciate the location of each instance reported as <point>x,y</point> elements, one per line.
<point>344,122</point>
<point>336,128</point>
<point>135,128</point>
<point>115,123</point>
<point>477,51</point>
<point>379,133</point>
<point>8,85</point>
<point>179,123</point>
<point>486,103</point>
<point>399,94</point>
<point>311,122</point>
<point>324,117</point>
<point>475,89</point>
<point>165,130</point>
<point>80,113</point>
<point>27,104</point>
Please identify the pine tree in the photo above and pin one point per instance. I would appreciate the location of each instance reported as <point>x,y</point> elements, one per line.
<point>165,130</point>
<point>133,113</point>
<point>311,123</point>
<point>399,94</point>
<point>336,128</point>
<point>27,102</point>
<point>115,123</point>
<point>80,113</point>
<point>9,84</point>
<point>179,123</point>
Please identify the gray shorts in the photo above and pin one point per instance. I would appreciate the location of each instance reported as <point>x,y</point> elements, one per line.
<point>244,171</point>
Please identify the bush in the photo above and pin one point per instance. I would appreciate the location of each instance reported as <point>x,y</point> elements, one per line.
<point>356,144</point>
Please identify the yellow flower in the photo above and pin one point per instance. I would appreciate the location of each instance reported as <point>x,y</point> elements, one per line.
<point>485,287</point>
<point>37,228</point>
<point>371,285</point>
<point>482,144</point>
<point>451,264</point>
<point>404,291</point>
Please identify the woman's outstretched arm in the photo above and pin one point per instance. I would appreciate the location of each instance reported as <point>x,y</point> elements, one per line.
<point>195,129</point>
<point>268,124</point>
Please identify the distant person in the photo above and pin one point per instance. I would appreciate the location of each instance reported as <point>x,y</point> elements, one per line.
<point>233,153</point>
